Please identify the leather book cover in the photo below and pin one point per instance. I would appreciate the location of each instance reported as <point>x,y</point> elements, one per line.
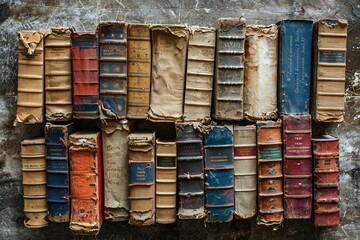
<point>219,174</point>
<point>245,163</point>
<point>142,178</point>
<point>85,69</point>
<point>294,61</point>
<point>228,102</point>
<point>297,166</point>
<point>57,162</point>
<point>58,84</point>
<point>199,74</point>
<point>169,48</point>
<point>138,70</point>
<point>261,52</point>
<point>270,178</point>
<point>30,101</point>
<point>34,182</point>
<point>329,70</point>
<point>116,170</point>
<point>190,163</point>
<point>86,183</point>
<point>112,70</point>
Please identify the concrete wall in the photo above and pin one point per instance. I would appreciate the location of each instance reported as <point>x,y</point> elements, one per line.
<point>85,15</point>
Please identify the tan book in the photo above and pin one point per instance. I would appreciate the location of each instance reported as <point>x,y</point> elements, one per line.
<point>165,181</point>
<point>58,85</point>
<point>138,70</point>
<point>34,182</point>
<point>30,103</point>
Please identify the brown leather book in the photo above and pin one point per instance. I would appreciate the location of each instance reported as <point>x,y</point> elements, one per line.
<point>138,70</point>
<point>30,103</point>
<point>34,182</point>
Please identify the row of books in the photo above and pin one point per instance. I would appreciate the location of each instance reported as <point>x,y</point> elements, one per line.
<point>173,72</point>
<point>272,170</point>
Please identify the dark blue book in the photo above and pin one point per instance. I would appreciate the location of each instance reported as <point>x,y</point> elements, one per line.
<point>219,174</point>
<point>57,160</point>
<point>294,75</point>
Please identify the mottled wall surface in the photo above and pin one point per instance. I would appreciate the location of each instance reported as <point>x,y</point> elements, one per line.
<point>85,15</point>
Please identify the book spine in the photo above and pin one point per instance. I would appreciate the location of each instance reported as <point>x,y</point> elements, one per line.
<point>113,70</point>
<point>85,75</point>
<point>219,174</point>
<point>294,66</point>
<point>169,47</point>
<point>58,85</point>
<point>261,51</point>
<point>329,70</point>
<point>199,73</point>
<point>245,171</point>
<point>270,179</point>
<point>34,183</point>
<point>229,76</point>
<point>138,68</point>
<point>30,106</point>
<point>116,170</point>
<point>297,166</point>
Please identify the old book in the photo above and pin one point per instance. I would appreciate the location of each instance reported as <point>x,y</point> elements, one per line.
<point>190,164</point>
<point>219,174</point>
<point>30,102</point>
<point>116,170</point>
<point>86,183</point>
<point>326,181</point>
<point>229,71</point>
<point>169,48</point>
<point>57,162</point>
<point>58,85</point>
<point>113,69</point>
<point>329,70</point>
<point>85,75</point>
<point>294,66</point>
<point>199,73</point>
<point>34,182</point>
<point>138,70</point>
<point>270,179</point>
<point>245,171</point>
<point>297,166</point>
<point>261,51</point>
<point>142,178</point>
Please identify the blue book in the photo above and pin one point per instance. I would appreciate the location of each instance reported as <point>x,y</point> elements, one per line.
<point>219,174</point>
<point>57,143</point>
<point>295,47</point>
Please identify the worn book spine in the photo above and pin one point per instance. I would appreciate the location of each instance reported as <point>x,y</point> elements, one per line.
<point>116,170</point>
<point>326,181</point>
<point>58,85</point>
<point>138,70</point>
<point>229,71</point>
<point>190,163</point>
<point>245,171</point>
<point>329,70</point>
<point>169,48</point>
<point>30,102</point>
<point>113,70</point>
<point>57,161</point>
<point>199,74</point>
<point>261,51</point>
<point>34,182</point>
<point>85,75</point>
<point>295,47</point>
<point>219,174</point>
<point>142,178</point>
<point>86,183</point>
<point>297,166</point>
<point>270,179</point>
